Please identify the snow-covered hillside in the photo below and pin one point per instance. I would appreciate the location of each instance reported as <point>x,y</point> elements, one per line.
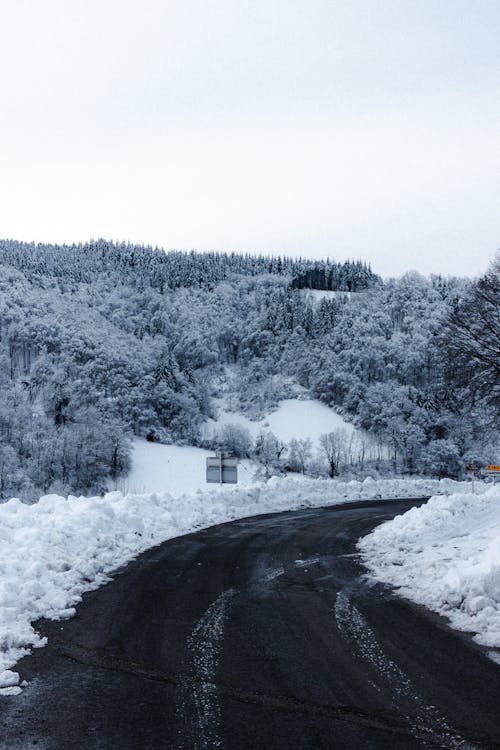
<point>156,467</point>
<point>294,418</point>
<point>103,343</point>
<point>305,419</point>
<point>55,550</point>
<point>171,468</point>
<point>446,555</point>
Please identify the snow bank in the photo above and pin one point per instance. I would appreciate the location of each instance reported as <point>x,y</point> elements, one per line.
<point>446,555</point>
<point>54,551</point>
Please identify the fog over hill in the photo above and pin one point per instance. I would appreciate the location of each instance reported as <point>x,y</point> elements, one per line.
<point>103,341</point>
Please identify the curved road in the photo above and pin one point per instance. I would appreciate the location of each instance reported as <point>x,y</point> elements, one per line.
<point>260,633</point>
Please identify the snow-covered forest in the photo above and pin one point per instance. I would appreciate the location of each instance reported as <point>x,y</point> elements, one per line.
<point>101,342</point>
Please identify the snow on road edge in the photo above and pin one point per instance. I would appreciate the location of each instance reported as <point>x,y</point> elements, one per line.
<point>446,556</point>
<point>56,550</point>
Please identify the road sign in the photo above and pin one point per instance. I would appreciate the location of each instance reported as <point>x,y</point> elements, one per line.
<point>473,467</point>
<point>493,470</point>
<point>222,469</point>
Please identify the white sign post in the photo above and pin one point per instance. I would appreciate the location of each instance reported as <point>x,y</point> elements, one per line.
<point>472,467</point>
<point>222,469</point>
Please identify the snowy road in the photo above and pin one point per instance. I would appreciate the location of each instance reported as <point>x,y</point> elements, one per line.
<point>257,634</point>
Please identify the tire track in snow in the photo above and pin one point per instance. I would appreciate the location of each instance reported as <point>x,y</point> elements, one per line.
<point>426,723</point>
<point>270,575</point>
<point>197,703</point>
<point>306,563</point>
<point>198,710</point>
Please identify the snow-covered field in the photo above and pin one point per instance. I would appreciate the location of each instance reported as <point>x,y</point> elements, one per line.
<point>172,468</point>
<point>304,419</point>
<point>182,469</point>
<point>54,551</point>
<point>294,418</point>
<point>446,555</point>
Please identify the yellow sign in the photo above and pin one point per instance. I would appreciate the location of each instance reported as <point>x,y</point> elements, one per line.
<point>492,467</point>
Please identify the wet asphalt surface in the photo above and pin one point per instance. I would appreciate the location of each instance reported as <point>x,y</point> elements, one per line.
<point>262,633</point>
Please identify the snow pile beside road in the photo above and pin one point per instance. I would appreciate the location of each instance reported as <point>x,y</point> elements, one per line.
<point>54,551</point>
<point>445,555</point>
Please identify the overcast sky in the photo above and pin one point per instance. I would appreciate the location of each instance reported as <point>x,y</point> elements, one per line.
<point>350,129</point>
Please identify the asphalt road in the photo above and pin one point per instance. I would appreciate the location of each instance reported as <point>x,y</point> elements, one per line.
<point>259,634</point>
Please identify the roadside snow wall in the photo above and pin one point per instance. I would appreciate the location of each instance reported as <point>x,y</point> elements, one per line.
<point>445,555</point>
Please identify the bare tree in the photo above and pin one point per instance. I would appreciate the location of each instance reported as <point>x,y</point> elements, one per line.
<point>333,445</point>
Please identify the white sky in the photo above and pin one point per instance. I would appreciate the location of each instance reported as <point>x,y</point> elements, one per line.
<point>351,129</point>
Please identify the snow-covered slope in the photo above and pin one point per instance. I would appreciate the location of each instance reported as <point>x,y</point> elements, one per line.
<point>54,551</point>
<point>171,468</point>
<point>294,418</point>
<point>446,555</point>
<point>305,419</point>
